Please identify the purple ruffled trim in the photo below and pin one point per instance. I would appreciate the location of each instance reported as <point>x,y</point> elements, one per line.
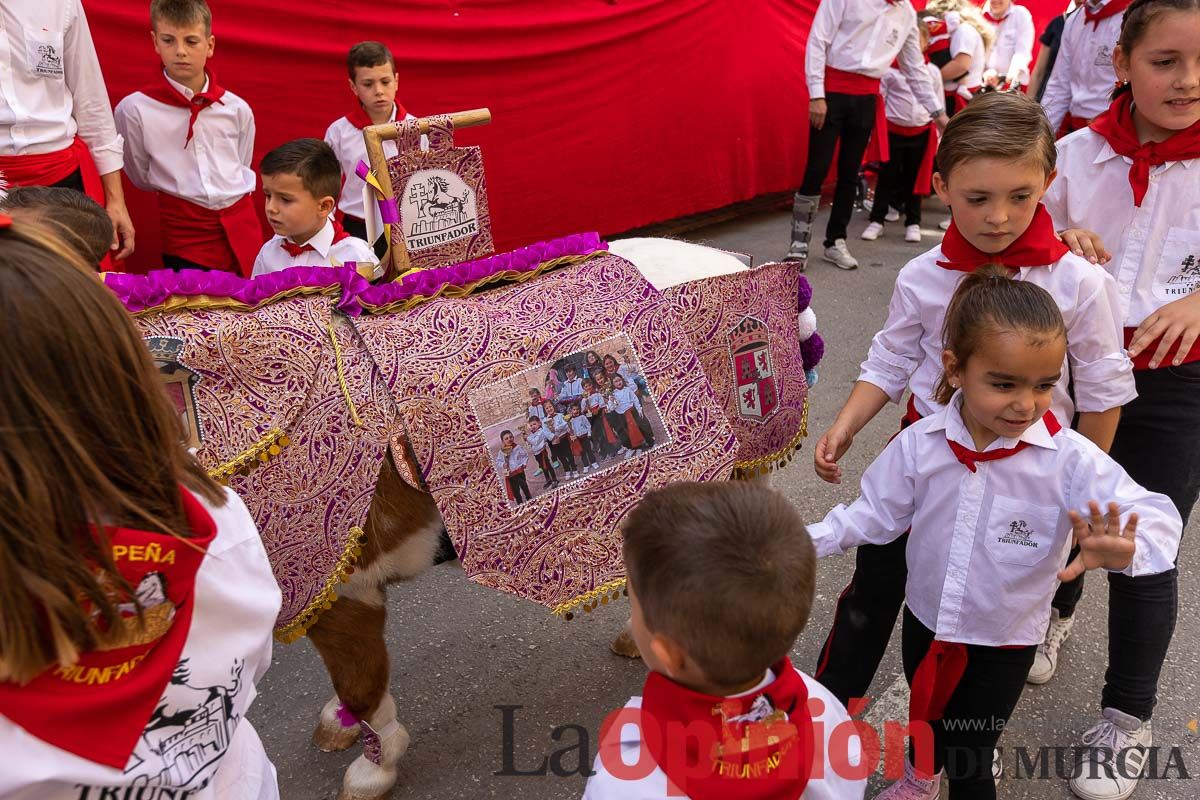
<point>140,292</point>
<point>346,717</point>
<point>426,283</point>
<point>812,350</point>
<point>805,293</point>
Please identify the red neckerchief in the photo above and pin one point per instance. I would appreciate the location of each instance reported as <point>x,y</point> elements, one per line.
<point>98,707</point>
<point>969,458</point>
<point>777,763</point>
<point>1116,126</point>
<point>1036,247</point>
<point>1107,10</point>
<point>995,20</point>
<point>165,92</point>
<point>360,119</point>
<point>294,249</point>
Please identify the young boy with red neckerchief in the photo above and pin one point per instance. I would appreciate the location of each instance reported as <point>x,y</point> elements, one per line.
<point>721,579</point>
<point>191,142</point>
<point>374,81</point>
<point>995,162</point>
<point>1077,89</point>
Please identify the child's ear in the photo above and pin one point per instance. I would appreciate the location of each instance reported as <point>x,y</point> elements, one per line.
<point>949,365</point>
<point>1120,62</point>
<point>1049,180</point>
<point>940,188</point>
<point>353,87</point>
<point>669,654</point>
<point>212,45</point>
<point>326,205</point>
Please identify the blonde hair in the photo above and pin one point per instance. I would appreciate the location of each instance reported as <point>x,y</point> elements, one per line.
<point>968,13</point>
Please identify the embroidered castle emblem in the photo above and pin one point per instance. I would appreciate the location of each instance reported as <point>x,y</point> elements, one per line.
<point>437,207</point>
<point>1019,533</point>
<point>180,383</point>
<point>1187,279</point>
<point>753,369</point>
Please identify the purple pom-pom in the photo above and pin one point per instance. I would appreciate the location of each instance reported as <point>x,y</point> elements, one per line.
<point>805,293</point>
<point>812,350</point>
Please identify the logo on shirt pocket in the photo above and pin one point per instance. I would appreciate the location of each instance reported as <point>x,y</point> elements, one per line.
<point>44,52</point>
<point>1020,533</point>
<point>1103,56</point>
<point>1178,273</point>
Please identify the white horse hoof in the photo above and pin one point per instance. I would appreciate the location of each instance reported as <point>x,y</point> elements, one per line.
<point>331,735</point>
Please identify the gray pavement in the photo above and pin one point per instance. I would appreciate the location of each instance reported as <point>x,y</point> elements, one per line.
<point>460,652</point>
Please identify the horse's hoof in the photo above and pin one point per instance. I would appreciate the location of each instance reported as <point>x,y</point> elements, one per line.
<point>624,645</point>
<point>334,738</point>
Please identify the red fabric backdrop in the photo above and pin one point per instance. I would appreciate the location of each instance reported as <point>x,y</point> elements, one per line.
<point>607,114</point>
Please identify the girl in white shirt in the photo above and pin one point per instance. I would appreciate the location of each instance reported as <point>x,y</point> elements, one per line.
<point>995,162</point>
<point>1009,58</point>
<point>636,433</point>
<point>138,600</point>
<point>993,490</point>
<point>1133,177</point>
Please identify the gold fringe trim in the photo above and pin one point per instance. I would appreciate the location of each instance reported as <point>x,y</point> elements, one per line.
<point>328,594</point>
<point>337,354</point>
<point>745,470</point>
<point>203,301</point>
<point>449,290</point>
<point>589,601</point>
<point>259,453</point>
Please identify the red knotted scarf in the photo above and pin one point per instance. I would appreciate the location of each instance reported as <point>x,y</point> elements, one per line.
<point>1107,10</point>
<point>1116,126</point>
<point>1038,246</point>
<point>98,707</point>
<point>359,118</point>
<point>970,458</point>
<point>165,92</point>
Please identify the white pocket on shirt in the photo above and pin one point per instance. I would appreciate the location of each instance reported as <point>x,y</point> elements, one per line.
<point>1178,273</point>
<point>1019,532</point>
<point>44,53</point>
<point>1103,57</point>
<point>885,35</point>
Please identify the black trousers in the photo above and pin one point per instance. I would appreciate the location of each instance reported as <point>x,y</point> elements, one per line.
<point>1158,444</point>
<point>976,713</point>
<point>585,444</point>
<point>562,451</point>
<point>72,181</point>
<point>178,262</point>
<point>897,177</point>
<point>518,486</point>
<point>544,461</point>
<point>357,227</point>
<point>849,119</point>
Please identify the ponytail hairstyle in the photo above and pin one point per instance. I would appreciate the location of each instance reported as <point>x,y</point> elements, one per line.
<point>87,435</point>
<point>988,302</point>
<point>1136,20</point>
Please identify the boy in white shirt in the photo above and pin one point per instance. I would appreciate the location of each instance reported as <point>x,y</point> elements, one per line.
<point>374,81</point>
<point>1010,56</point>
<point>1078,88</point>
<point>56,125</point>
<point>510,463</point>
<point>851,44</point>
<point>190,141</point>
<point>714,620</point>
<point>301,180</point>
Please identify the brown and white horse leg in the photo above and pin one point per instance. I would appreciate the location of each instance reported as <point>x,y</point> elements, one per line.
<point>624,645</point>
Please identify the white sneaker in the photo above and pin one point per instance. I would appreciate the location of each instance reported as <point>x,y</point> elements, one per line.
<point>871,232</point>
<point>892,215</point>
<point>839,256</point>
<point>910,787</point>
<point>629,454</point>
<point>945,224</point>
<point>1117,740</point>
<point>912,233</point>
<point>1045,662</point>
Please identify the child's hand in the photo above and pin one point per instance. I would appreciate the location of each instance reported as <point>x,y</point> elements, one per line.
<point>816,113</point>
<point>1087,244</point>
<point>1101,541</point>
<point>1177,320</point>
<point>829,450</point>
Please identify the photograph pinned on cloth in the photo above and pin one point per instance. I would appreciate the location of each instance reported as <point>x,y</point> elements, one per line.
<point>564,420</point>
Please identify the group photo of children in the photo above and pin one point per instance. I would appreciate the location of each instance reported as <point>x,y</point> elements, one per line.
<point>587,410</point>
<point>1006,197</point>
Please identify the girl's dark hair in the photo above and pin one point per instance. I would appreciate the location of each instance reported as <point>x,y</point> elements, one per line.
<point>87,435</point>
<point>1137,19</point>
<point>988,302</point>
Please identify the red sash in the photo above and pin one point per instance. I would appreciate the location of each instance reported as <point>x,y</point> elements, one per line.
<point>165,92</point>
<point>632,430</point>
<point>1116,126</point>
<point>1142,361</point>
<point>923,185</point>
<point>98,707</point>
<point>1109,9</point>
<point>227,240</point>
<point>46,169</point>
<point>1070,124</point>
<point>842,82</point>
<point>1038,246</point>
<point>761,746</point>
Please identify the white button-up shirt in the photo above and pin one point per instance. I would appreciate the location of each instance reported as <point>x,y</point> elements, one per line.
<point>1013,50</point>
<point>51,87</point>
<point>349,147</point>
<point>900,104</point>
<point>907,351</point>
<point>986,546</point>
<point>1155,246</point>
<point>212,171</point>
<point>325,253</point>
<point>1083,74</point>
<point>866,36</point>
<point>965,39</point>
